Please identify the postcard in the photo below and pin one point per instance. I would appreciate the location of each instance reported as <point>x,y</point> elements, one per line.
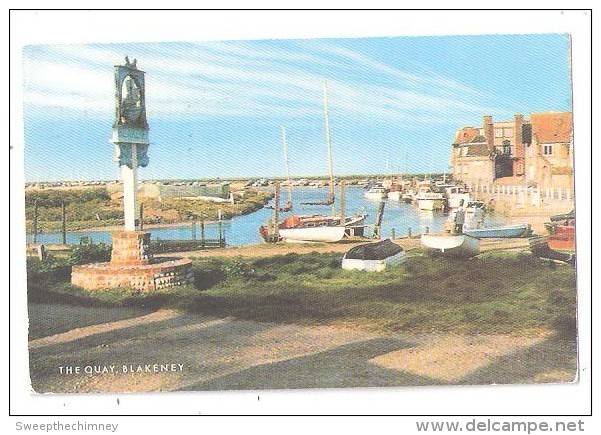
<point>284,214</point>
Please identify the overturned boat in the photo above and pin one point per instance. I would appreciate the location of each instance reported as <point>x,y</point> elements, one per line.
<point>540,247</point>
<point>507,231</point>
<point>373,257</point>
<point>459,245</point>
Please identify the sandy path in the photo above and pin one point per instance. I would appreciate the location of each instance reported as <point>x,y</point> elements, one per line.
<point>227,353</point>
<point>79,333</point>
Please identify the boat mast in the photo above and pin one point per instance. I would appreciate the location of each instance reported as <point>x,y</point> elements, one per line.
<point>328,142</point>
<point>289,204</point>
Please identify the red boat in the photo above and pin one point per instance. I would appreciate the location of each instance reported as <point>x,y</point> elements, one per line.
<point>564,237</point>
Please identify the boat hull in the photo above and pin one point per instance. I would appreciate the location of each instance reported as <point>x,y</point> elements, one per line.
<point>455,199</point>
<point>373,265</point>
<point>375,196</point>
<point>326,234</point>
<point>460,245</point>
<point>511,231</point>
<point>395,195</point>
<point>430,204</point>
<point>562,242</point>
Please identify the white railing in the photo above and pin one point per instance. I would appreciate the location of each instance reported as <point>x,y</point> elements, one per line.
<point>535,196</point>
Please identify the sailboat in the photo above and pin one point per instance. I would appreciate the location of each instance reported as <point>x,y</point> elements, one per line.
<point>288,206</point>
<point>331,197</point>
<point>317,227</point>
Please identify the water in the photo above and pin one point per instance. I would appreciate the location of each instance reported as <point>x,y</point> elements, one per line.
<point>244,230</point>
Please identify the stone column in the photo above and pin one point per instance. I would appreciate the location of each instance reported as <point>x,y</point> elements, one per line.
<point>130,191</point>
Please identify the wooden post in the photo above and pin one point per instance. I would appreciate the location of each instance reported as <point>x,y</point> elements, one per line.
<point>35,221</point>
<point>220,226</point>
<point>392,234</point>
<point>202,232</point>
<point>64,223</point>
<point>379,220</point>
<point>342,204</point>
<point>141,217</point>
<point>409,232</point>
<point>193,230</point>
<point>276,211</point>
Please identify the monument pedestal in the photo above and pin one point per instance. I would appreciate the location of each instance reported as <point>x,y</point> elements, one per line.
<point>131,248</point>
<point>132,266</point>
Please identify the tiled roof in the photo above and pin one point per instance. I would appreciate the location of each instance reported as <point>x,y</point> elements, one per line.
<point>465,135</point>
<point>552,127</point>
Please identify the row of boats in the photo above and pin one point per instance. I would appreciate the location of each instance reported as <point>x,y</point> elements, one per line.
<point>559,245</point>
<point>426,195</point>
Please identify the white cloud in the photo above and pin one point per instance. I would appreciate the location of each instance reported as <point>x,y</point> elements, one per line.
<point>242,79</point>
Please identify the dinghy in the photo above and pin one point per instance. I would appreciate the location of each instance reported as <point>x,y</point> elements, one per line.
<point>373,257</point>
<point>460,245</point>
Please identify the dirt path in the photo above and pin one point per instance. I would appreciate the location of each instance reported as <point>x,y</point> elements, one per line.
<point>169,350</point>
<point>79,333</point>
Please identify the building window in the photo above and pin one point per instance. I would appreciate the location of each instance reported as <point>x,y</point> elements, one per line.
<point>548,150</point>
<point>498,132</point>
<point>464,151</point>
<point>508,132</point>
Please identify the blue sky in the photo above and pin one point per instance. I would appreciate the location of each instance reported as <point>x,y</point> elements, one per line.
<point>216,108</point>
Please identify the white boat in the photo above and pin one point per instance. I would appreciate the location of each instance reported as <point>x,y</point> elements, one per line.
<point>474,214</point>
<point>460,245</point>
<point>327,234</point>
<point>318,228</point>
<point>376,193</point>
<point>408,196</point>
<point>373,257</point>
<point>428,200</point>
<point>456,194</point>
<point>394,195</point>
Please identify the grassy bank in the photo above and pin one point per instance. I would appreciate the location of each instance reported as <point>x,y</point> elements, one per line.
<point>93,208</point>
<point>495,293</point>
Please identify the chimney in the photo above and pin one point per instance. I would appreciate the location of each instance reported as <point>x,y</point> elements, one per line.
<point>489,133</point>
<point>517,135</point>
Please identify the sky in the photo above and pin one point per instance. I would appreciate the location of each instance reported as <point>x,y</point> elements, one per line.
<point>216,109</point>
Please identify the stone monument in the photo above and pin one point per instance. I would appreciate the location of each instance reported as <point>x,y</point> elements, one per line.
<point>132,264</point>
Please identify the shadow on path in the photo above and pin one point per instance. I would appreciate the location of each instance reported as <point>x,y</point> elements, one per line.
<point>345,366</point>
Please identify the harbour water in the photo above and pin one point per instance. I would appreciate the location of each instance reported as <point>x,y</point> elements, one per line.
<point>244,230</point>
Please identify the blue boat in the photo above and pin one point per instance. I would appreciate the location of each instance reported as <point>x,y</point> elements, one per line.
<point>508,231</point>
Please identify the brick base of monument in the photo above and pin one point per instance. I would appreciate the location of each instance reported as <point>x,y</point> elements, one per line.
<point>132,266</point>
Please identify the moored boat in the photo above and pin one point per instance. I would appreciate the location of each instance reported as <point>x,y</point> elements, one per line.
<point>508,231</point>
<point>373,257</point>
<point>429,200</point>
<point>459,245</point>
<point>314,228</point>
<point>456,194</point>
<point>408,196</point>
<point>376,193</point>
<point>564,237</point>
<point>540,247</point>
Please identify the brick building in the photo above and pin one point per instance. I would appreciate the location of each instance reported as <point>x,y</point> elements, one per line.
<point>536,151</point>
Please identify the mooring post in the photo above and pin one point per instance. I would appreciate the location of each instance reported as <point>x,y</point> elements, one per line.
<point>427,230</point>
<point>392,234</point>
<point>35,221</point>
<point>64,223</point>
<point>202,232</point>
<point>409,232</point>
<point>194,229</point>
<point>141,216</point>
